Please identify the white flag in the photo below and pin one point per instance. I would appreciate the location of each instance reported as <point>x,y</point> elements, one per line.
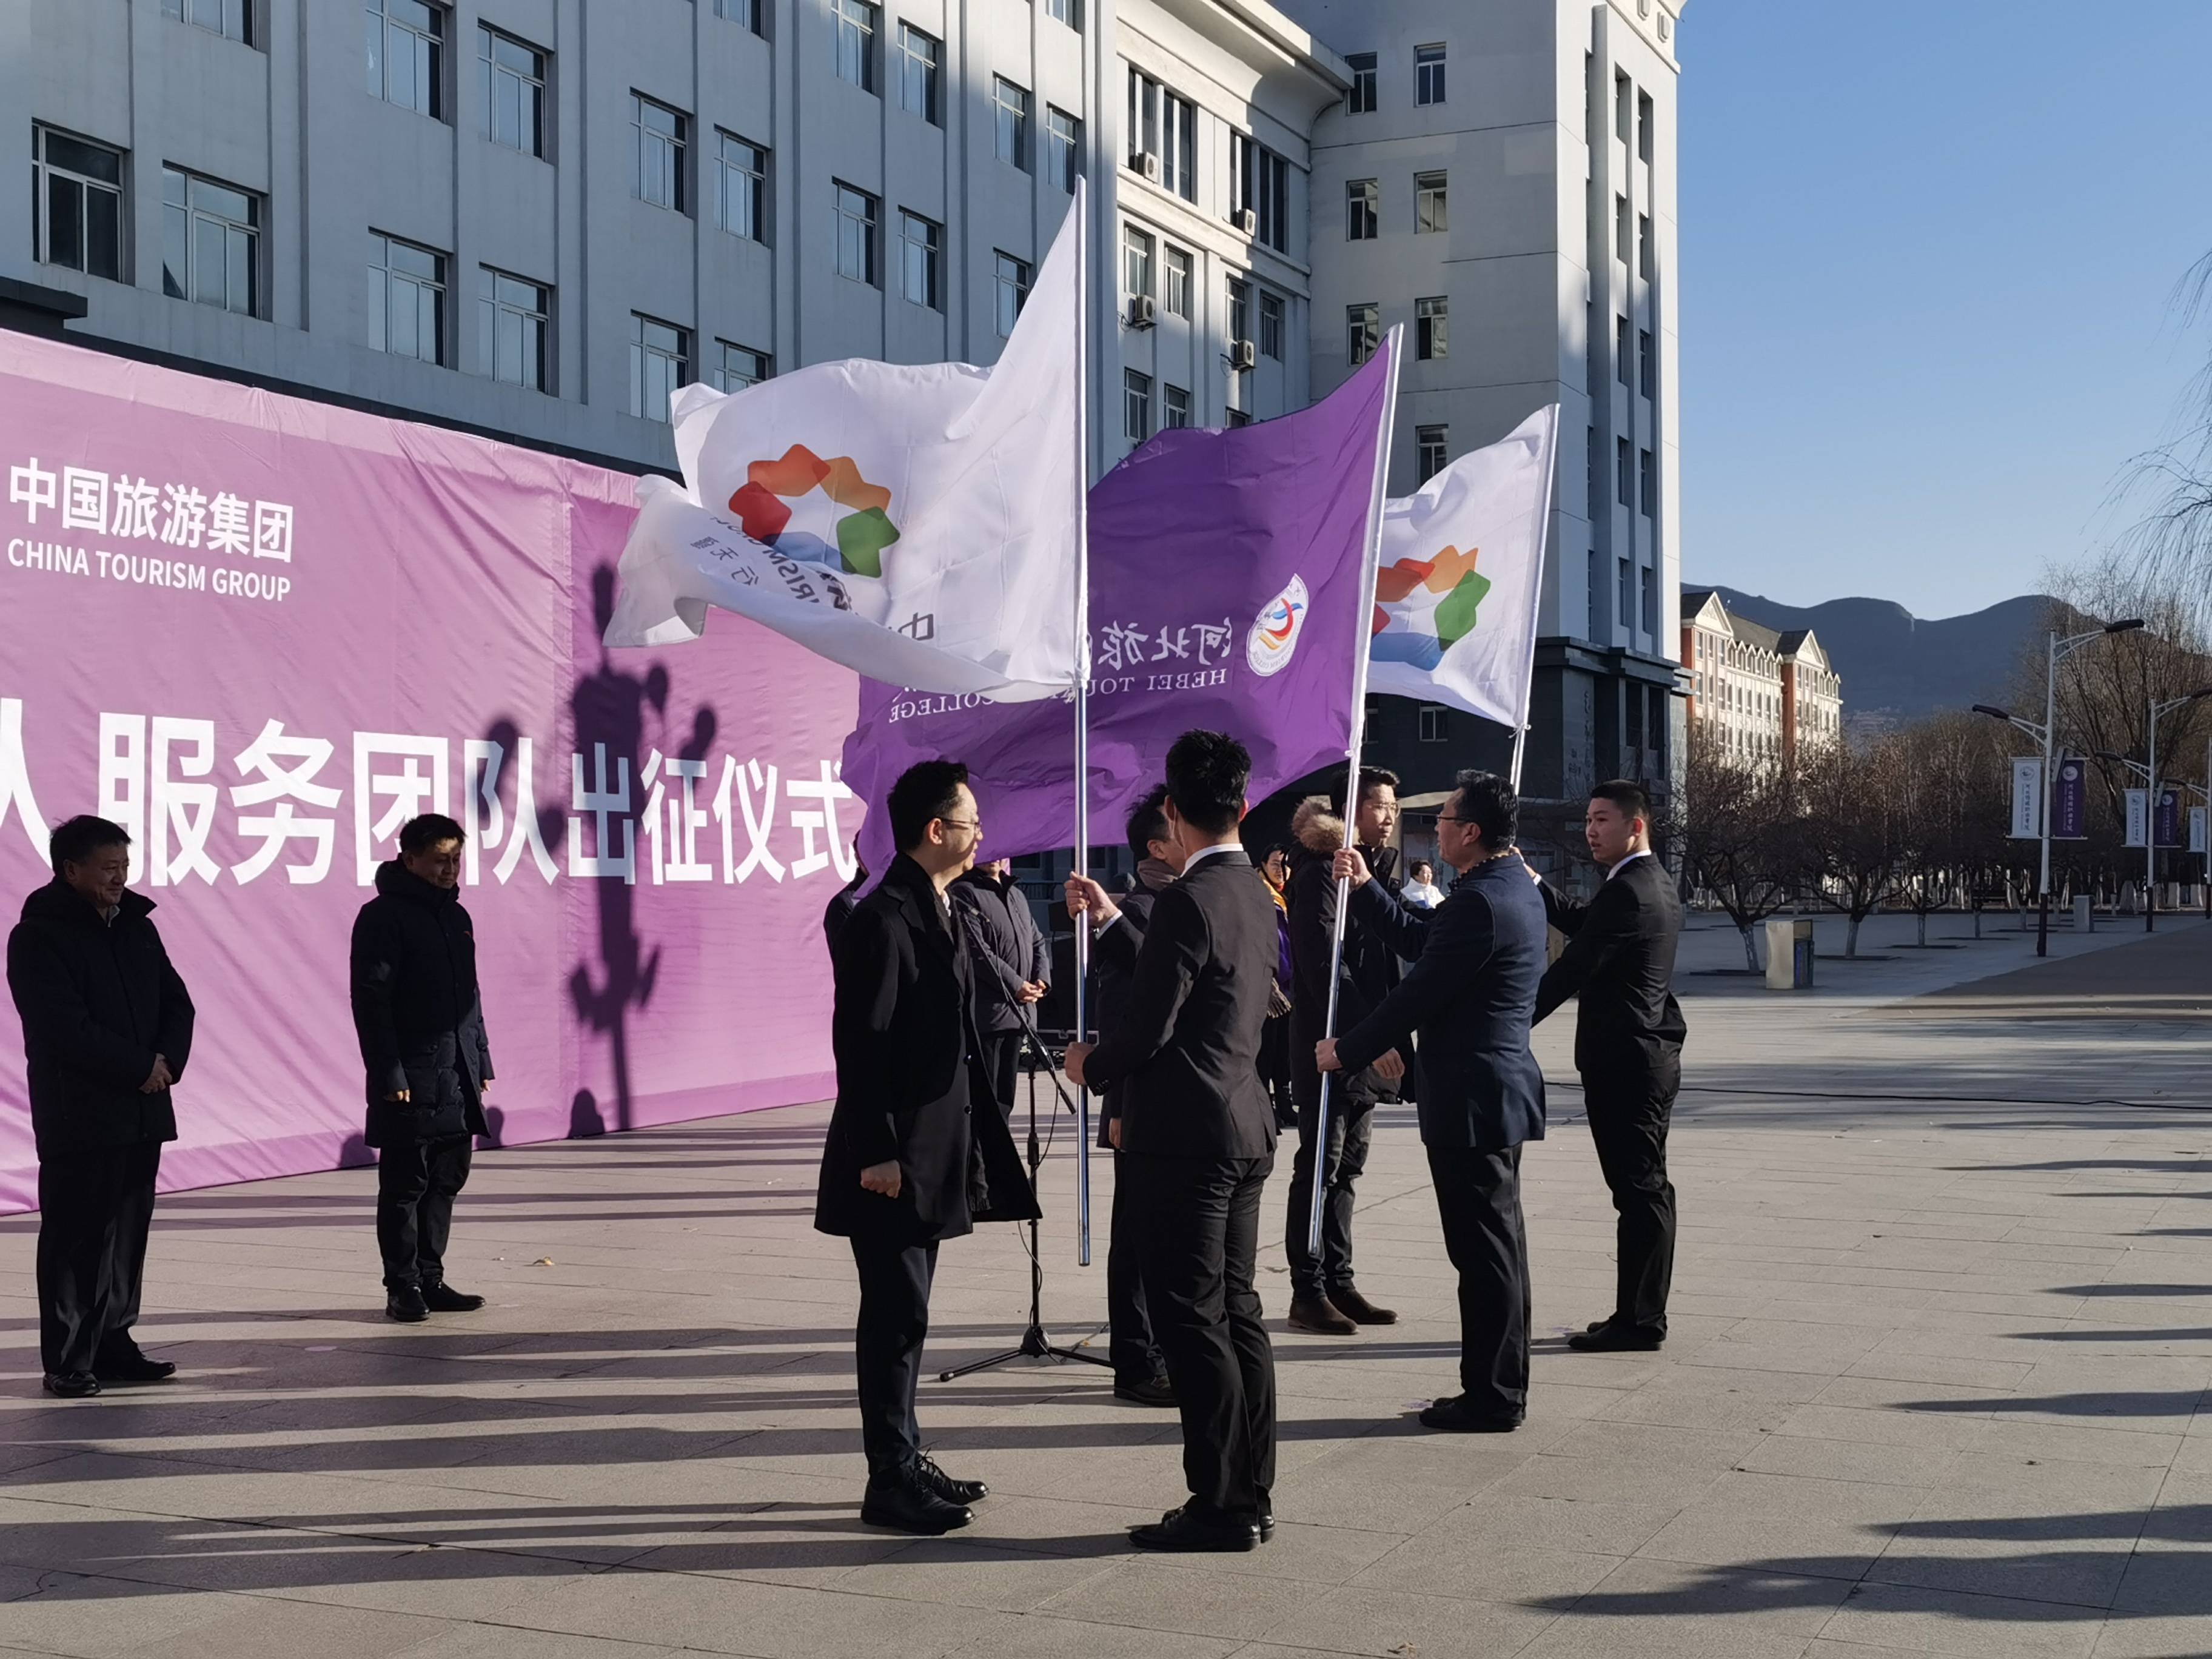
<point>1460,571</point>
<point>920,525</point>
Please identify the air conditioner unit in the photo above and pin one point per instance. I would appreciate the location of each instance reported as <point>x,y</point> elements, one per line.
<point>1149,167</point>
<point>1240,354</point>
<point>1140,311</point>
<point>1248,221</point>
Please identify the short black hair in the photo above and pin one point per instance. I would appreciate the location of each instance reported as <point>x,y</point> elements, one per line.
<point>1628,797</point>
<point>75,841</point>
<point>1420,865</point>
<point>925,791</point>
<point>1370,778</point>
<point>1148,821</point>
<point>1487,801</point>
<point>1207,772</point>
<point>420,834</point>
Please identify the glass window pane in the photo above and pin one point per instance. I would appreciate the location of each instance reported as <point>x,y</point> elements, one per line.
<point>64,226</point>
<point>103,230</point>
<point>374,31</point>
<point>208,261</point>
<point>429,332</point>
<point>176,276</point>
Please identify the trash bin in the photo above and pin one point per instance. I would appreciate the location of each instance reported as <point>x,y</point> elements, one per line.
<point>2084,914</point>
<point>1790,955</point>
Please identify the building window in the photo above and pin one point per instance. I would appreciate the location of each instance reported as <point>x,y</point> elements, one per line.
<point>406,299</point>
<point>1644,124</point>
<point>1271,326</point>
<point>1589,485</point>
<point>1650,479</point>
<point>514,320</point>
<point>1435,724</point>
<point>1643,265</point>
<point>746,14</point>
<point>210,243</point>
<point>1432,450</point>
<point>1069,12</point>
<point>231,19</point>
<point>1362,330</point>
<point>658,138</point>
<point>1240,309</point>
<point>407,55</point>
<point>920,76</point>
<point>514,92</point>
<point>1650,368</point>
<point>738,366</point>
<point>76,191</point>
<point>920,244</point>
<point>1624,616</point>
<point>1174,407</point>
<point>1063,137</point>
<point>1260,179</point>
<point>1623,464</point>
<point>1651,602</point>
<point>741,186</point>
<point>1620,229</point>
<point>1428,75</point>
<point>1432,328</point>
<point>1622,91</point>
<point>1237,417</point>
<point>1431,204</point>
<point>659,362</point>
<point>856,233</point>
<point>1136,405</point>
<point>1010,123</point>
<point>856,43</point>
<point>1136,260</point>
<point>1360,99</point>
<point>1363,203</point>
<point>1620,350</point>
<point>1178,297</point>
<point>1013,283</point>
<point>1165,128</point>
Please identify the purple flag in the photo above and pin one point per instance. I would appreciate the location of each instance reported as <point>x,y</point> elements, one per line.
<point>1226,570</point>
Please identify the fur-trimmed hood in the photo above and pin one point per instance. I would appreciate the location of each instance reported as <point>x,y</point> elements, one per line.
<point>1317,826</point>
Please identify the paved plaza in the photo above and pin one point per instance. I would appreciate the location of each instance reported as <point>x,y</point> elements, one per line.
<point>1942,1332</point>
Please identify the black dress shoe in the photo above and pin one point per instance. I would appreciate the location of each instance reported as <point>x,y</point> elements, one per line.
<point>903,1504</point>
<point>1267,1526</point>
<point>951,1491</point>
<point>136,1369</point>
<point>1607,1337</point>
<point>1194,1531</point>
<point>1146,1391</point>
<point>1455,1416</point>
<point>72,1385</point>
<point>1359,1309</point>
<point>444,1298</point>
<point>1318,1315</point>
<point>405,1303</point>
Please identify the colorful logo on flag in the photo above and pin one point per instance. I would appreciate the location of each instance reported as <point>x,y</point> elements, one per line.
<point>1275,630</point>
<point>1424,607</point>
<point>819,511</point>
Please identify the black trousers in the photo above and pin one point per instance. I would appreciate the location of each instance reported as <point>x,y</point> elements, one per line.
<point>1002,1065</point>
<point>1201,1226</point>
<point>1351,1133</point>
<point>94,1209</point>
<point>415,1185</point>
<point>895,1275</point>
<point>1629,1110</point>
<point>1130,1342</point>
<point>1478,1200</point>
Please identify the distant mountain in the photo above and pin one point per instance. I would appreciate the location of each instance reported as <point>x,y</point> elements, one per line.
<point>1896,666</point>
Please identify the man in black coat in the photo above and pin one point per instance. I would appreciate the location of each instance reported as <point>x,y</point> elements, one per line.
<point>1323,1297</point>
<point>1013,967</point>
<point>1619,960</point>
<point>1198,1139</point>
<point>916,1150</point>
<point>107,1027</point>
<point>1478,958</point>
<point>419,1018</point>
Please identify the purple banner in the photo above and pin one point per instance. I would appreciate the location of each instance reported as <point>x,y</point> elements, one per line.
<point>261,633</point>
<point>2070,800</point>
<point>1225,574</point>
<point>2166,817</point>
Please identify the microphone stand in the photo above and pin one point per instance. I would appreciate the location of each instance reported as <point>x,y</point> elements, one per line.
<point>1035,1343</point>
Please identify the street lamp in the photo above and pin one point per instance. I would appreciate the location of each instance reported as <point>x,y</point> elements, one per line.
<point>2057,652</point>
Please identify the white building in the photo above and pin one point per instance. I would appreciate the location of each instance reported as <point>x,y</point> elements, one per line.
<point>1759,697</point>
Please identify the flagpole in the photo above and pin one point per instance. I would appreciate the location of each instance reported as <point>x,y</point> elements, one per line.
<point>1536,595</point>
<point>1080,208</point>
<point>1369,561</point>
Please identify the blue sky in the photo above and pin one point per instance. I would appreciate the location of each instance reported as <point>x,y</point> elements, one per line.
<point>1929,252</point>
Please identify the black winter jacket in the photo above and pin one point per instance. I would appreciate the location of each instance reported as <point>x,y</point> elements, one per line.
<point>416,1011</point>
<point>1370,971</point>
<point>99,999</point>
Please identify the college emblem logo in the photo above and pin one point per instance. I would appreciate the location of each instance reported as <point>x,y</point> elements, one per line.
<point>1424,607</point>
<point>1275,630</point>
<point>819,511</point>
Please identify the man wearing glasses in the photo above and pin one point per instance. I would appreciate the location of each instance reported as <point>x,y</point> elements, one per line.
<point>916,1150</point>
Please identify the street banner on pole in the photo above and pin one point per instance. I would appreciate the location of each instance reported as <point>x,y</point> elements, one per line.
<point>2197,815</point>
<point>2070,801</point>
<point>2028,798</point>
<point>1459,576</point>
<point>2167,819</point>
<point>916,524</point>
<point>2138,819</point>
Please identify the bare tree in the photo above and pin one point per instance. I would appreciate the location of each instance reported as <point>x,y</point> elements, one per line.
<point>2170,487</point>
<point>1851,837</point>
<point>1735,828</point>
<point>1953,786</point>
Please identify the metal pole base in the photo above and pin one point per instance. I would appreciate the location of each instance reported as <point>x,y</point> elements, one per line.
<point>2043,928</point>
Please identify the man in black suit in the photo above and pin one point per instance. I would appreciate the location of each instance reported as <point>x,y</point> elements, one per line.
<point>916,1150</point>
<point>1197,1135</point>
<point>1470,994</point>
<point>1012,964</point>
<point>1628,1047</point>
